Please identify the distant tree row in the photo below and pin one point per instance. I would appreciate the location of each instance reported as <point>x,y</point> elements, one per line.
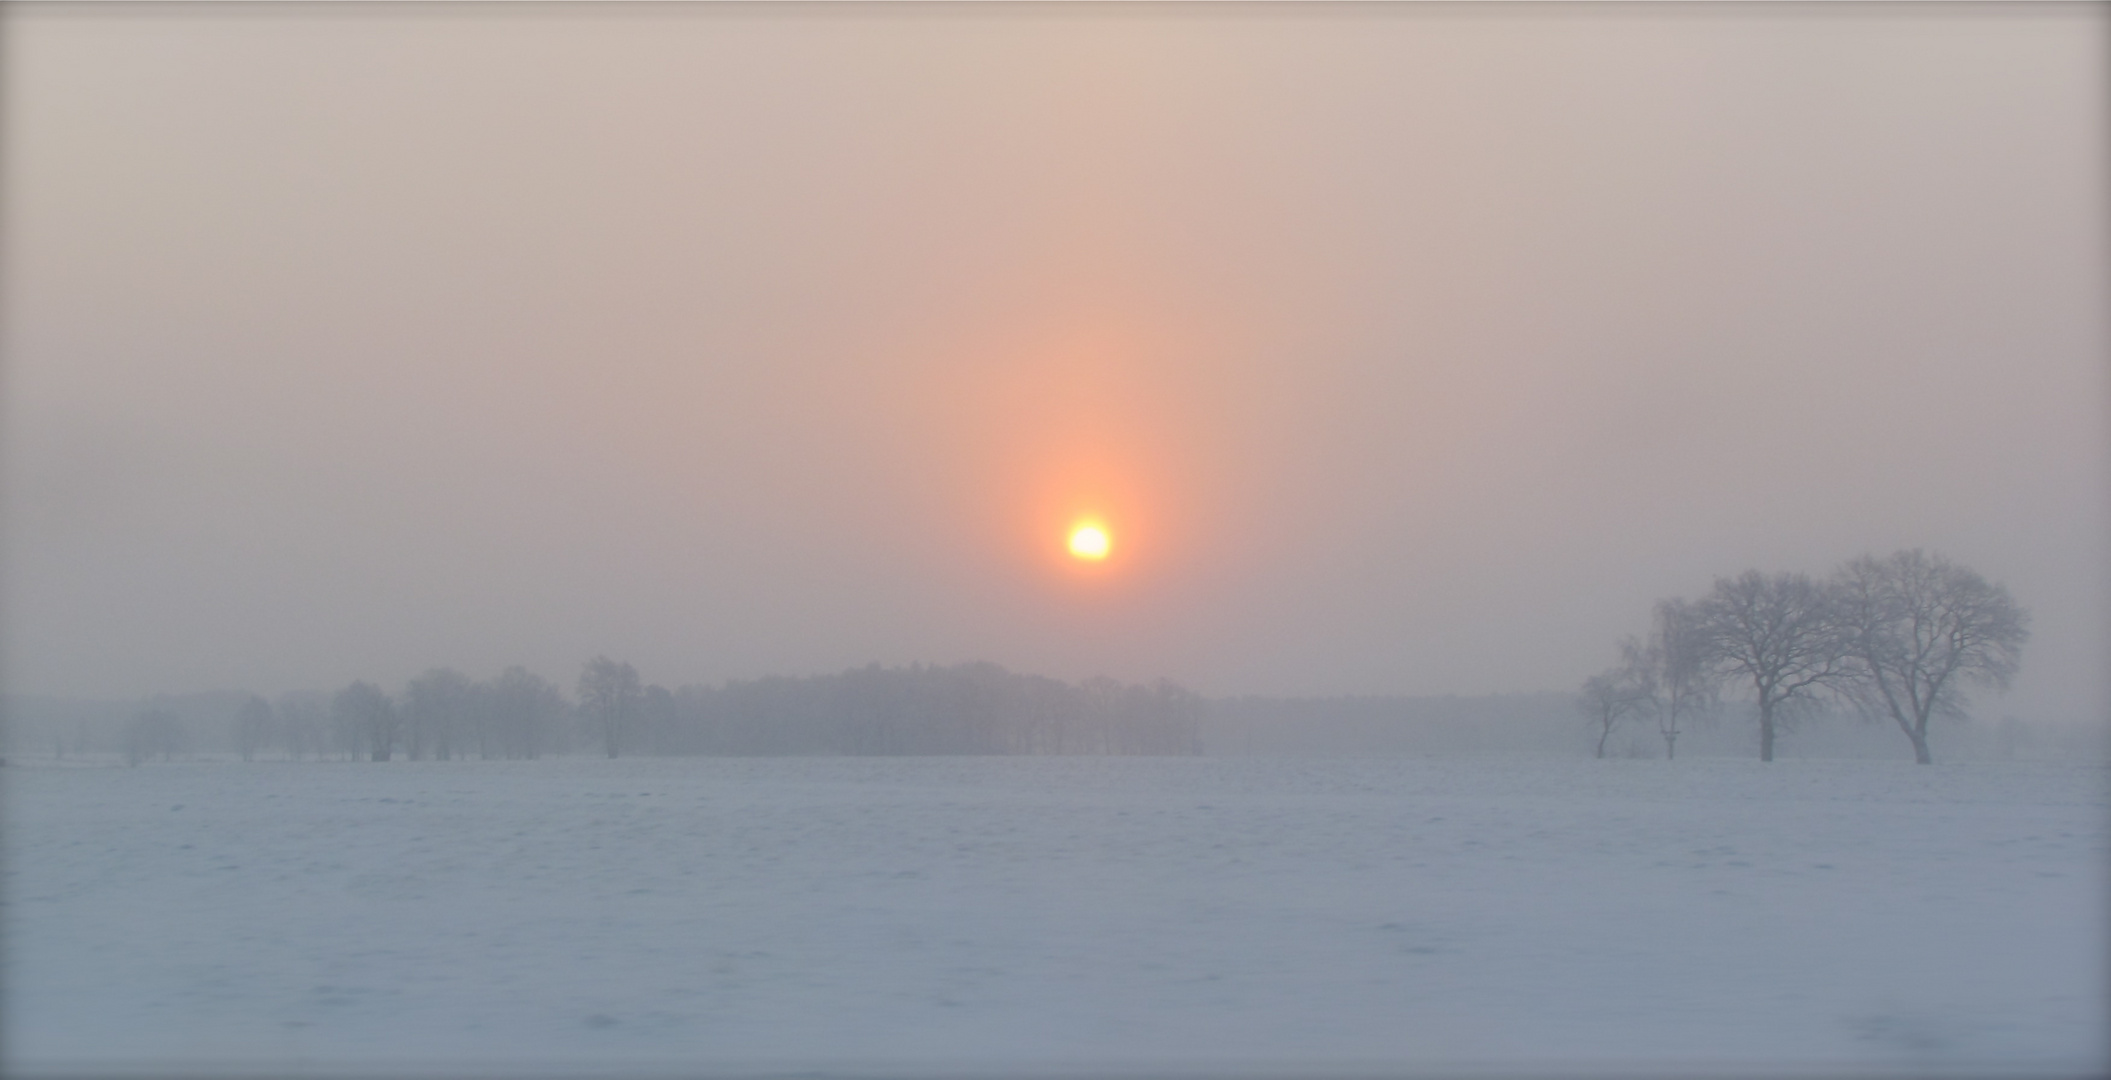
<point>1902,637</point>
<point>155,731</point>
<point>967,709</point>
<point>441,714</point>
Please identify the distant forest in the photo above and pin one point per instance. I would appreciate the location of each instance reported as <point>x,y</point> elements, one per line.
<point>976,708</point>
<point>973,708</point>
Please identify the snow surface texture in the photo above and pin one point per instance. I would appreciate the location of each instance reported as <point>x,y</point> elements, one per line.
<point>1049,915</point>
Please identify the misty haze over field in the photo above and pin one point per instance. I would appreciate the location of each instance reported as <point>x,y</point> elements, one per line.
<point>1405,351</point>
<point>911,539</point>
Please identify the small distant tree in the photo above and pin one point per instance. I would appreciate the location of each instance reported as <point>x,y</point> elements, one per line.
<point>303,722</point>
<point>609,700</point>
<point>155,731</point>
<point>252,726</point>
<point>437,712</point>
<point>1781,633</point>
<point>482,732</point>
<point>363,710</point>
<point>521,711</point>
<point>1675,659</point>
<point>1919,629</point>
<point>1616,695</point>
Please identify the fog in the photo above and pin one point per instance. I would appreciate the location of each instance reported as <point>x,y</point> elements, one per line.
<point>1404,350</point>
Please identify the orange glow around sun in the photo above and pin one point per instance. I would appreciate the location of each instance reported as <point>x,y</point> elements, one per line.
<point>1089,541</point>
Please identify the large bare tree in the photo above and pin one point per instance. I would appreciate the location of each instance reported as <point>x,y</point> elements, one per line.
<point>1919,629</point>
<point>1780,632</point>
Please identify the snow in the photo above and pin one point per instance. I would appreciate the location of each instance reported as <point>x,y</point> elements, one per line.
<point>1039,915</point>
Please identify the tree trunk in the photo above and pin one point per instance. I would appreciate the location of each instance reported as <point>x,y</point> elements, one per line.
<point>1603,734</point>
<point>1917,734</point>
<point>1671,743</point>
<point>1766,732</point>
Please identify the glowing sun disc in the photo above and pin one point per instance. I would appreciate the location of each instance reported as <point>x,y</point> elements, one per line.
<point>1089,542</point>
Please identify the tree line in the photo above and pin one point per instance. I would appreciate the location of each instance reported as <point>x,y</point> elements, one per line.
<point>1902,637</point>
<point>977,708</point>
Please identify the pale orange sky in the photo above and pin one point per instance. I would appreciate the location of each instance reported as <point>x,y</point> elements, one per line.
<point>1403,349</point>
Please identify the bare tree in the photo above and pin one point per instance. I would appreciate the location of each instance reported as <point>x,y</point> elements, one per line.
<point>367,714</point>
<point>1919,629</point>
<point>521,709</point>
<point>483,730</point>
<point>1781,632</point>
<point>252,727</point>
<point>303,722</point>
<point>609,699</point>
<point>436,707</point>
<point>1619,694</point>
<point>1676,659</point>
<point>155,731</point>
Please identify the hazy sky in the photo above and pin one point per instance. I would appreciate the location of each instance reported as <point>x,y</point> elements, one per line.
<point>1403,349</point>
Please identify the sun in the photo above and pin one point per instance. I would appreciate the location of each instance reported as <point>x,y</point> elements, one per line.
<point>1089,541</point>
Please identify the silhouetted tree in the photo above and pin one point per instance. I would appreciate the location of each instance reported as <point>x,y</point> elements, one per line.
<point>436,711</point>
<point>1780,632</point>
<point>609,698</point>
<point>1675,658</point>
<point>1618,694</point>
<point>520,711</point>
<point>1918,630</point>
<point>1171,720</point>
<point>364,711</point>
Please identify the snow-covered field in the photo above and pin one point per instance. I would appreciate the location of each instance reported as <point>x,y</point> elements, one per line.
<point>1037,915</point>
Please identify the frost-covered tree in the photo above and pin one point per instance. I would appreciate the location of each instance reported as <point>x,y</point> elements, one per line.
<point>1919,629</point>
<point>609,700</point>
<point>1779,632</point>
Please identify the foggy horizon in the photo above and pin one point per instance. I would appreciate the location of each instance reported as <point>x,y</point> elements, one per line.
<point>1405,352</point>
<point>475,480</point>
